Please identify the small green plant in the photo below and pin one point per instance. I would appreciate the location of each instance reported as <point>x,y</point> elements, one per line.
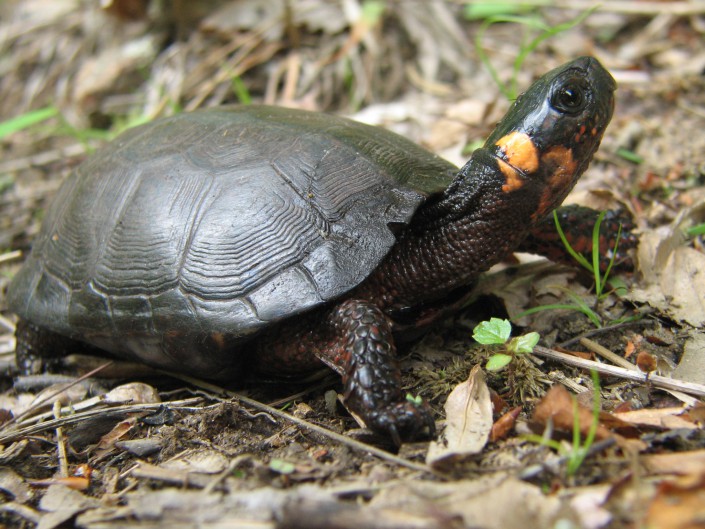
<point>26,120</point>
<point>579,448</point>
<point>497,331</point>
<point>593,266</point>
<point>695,231</point>
<point>416,400</point>
<point>503,12</point>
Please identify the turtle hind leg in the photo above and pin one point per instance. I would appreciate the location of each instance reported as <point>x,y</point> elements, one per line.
<point>577,223</point>
<point>38,349</point>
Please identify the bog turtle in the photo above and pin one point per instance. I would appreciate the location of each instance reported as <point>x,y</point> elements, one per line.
<point>267,239</point>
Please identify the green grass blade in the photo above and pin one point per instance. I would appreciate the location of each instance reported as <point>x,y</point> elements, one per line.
<point>26,120</point>
<point>575,255</point>
<point>596,254</point>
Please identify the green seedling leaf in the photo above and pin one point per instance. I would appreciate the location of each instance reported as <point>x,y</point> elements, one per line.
<point>416,400</point>
<point>483,10</point>
<point>498,361</point>
<point>281,467</point>
<point>524,343</point>
<point>241,91</point>
<point>494,331</point>
<point>630,156</point>
<point>372,11</point>
<point>694,231</point>
<point>26,120</point>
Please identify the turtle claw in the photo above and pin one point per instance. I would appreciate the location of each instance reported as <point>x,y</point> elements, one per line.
<point>403,421</point>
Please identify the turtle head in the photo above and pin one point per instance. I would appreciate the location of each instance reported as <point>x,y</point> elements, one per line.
<point>550,134</point>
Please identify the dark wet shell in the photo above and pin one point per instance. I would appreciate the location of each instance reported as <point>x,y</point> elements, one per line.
<point>220,221</point>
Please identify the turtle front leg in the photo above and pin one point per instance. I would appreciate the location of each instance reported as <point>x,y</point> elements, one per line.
<point>363,352</point>
<point>38,349</point>
<point>355,340</point>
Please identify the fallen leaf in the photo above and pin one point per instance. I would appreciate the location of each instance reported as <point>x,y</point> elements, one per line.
<point>678,504</point>
<point>662,418</point>
<point>107,442</point>
<point>691,367</point>
<point>504,425</point>
<point>558,406</point>
<point>468,421</point>
<point>674,274</point>
<point>134,393</point>
<point>692,462</point>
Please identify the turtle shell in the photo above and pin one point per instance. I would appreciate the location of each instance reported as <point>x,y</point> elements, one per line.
<point>219,221</point>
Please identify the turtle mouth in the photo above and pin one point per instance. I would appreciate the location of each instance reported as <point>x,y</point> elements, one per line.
<point>514,177</point>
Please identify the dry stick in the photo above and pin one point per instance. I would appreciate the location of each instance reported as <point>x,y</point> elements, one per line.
<point>47,398</point>
<point>61,443</point>
<point>32,428</point>
<point>616,359</point>
<point>607,354</point>
<point>637,376</point>
<point>357,445</point>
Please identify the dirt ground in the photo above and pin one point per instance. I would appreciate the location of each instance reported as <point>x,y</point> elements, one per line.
<point>131,446</point>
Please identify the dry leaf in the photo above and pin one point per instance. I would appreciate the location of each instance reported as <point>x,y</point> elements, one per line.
<point>663,418</point>
<point>558,406</point>
<point>504,425</point>
<point>692,462</point>
<point>678,504</point>
<point>468,421</point>
<point>107,442</point>
<point>134,393</point>
<point>673,272</point>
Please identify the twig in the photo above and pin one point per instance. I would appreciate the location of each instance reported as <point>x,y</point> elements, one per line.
<point>50,396</point>
<point>31,429</point>
<point>61,443</point>
<point>8,257</point>
<point>351,443</point>
<point>607,354</point>
<point>636,376</point>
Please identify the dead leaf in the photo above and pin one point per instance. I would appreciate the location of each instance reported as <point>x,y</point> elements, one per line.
<point>674,274</point>
<point>468,421</point>
<point>15,486</point>
<point>691,368</point>
<point>504,425</point>
<point>107,442</point>
<point>663,418</point>
<point>558,406</point>
<point>678,504</point>
<point>692,462</point>
<point>134,393</point>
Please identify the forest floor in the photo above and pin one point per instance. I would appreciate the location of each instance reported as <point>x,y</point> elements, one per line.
<point>127,445</point>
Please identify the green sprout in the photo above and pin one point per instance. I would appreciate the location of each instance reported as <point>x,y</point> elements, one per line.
<point>579,448</point>
<point>503,13</point>
<point>497,331</point>
<point>593,266</point>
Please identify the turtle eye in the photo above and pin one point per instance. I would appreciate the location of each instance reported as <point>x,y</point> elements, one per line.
<point>569,98</point>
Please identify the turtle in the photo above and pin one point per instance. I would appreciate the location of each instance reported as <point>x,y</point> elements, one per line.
<point>260,239</point>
